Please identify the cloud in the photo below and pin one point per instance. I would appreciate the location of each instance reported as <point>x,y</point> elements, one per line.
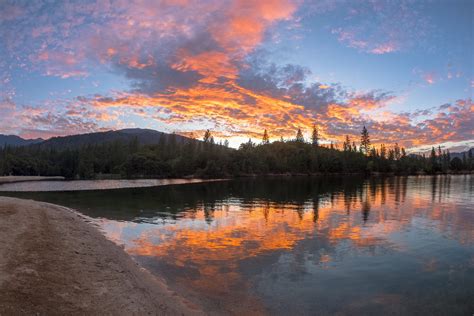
<point>48,120</point>
<point>161,44</point>
<point>379,26</point>
<point>193,63</point>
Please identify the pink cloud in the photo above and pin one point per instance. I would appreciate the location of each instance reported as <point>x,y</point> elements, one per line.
<point>385,48</point>
<point>429,78</point>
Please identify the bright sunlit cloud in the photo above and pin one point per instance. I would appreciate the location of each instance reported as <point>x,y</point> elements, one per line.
<point>239,67</point>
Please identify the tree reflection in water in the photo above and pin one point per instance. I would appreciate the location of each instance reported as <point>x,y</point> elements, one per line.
<point>301,245</point>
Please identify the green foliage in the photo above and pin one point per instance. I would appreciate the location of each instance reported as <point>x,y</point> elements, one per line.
<point>173,158</point>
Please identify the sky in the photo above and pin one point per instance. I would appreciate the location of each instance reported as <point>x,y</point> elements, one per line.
<point>403,68</point>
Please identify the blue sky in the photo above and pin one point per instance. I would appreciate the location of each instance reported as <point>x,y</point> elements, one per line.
<point>402,68</point>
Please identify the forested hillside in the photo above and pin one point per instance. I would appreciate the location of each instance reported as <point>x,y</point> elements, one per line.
<point>176,156</point>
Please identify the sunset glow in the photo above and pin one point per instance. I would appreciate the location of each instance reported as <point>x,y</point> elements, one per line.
<point>218,239</point>
<point>237,67</point>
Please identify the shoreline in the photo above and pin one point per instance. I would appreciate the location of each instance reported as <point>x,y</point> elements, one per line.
<point>53,260</point>
<point>16,179</point>
<point>19,179</point>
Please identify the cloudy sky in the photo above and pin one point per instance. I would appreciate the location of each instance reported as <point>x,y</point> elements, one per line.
<point>402,68</point>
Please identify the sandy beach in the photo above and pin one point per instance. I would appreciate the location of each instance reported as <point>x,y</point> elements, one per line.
<point>12,179</point>
<point>53,262</point>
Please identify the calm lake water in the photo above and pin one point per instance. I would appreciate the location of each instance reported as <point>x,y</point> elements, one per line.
<point>307,246</point>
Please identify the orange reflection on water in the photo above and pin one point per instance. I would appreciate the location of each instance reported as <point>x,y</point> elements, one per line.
<point>213,241</point>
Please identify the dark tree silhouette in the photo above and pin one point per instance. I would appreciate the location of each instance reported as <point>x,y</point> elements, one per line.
<point>315,136</point>
<point>365,141</point>
<point>173,157</point>
<point>347,144</point>
<point>299,136</point>
<point>265,139</point>
<point>207,136</point>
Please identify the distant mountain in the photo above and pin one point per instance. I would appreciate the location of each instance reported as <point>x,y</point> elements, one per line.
<point>12,140</point>
<point>144,137</point>
<point>460,154</point>
<point>451,154</point>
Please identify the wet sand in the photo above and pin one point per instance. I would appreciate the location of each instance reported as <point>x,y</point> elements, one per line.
<point>52,262</point>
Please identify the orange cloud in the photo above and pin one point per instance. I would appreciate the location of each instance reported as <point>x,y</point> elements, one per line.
<point>247,22</point>
<point>189,65</point>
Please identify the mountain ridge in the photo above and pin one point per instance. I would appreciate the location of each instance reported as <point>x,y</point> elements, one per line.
<point>143,136</point>
<point>14,140</point>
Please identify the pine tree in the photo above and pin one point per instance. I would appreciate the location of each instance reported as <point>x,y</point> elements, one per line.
<point>315,136</point>
<point>433,160</point>
<point>383,151</point>
<point>391,154</point>
<point>354,146</point>
<point>397,151</point>
<point>440,155</point>
<point>265,139</point>
<point>470,162</point>
<point>346,146</point>
<point>299,136</point>
<point>207,136</point>
<point>373,152</point>
<point>365,141</point>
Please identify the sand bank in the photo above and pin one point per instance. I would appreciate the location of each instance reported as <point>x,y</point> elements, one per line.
<point>11,179</point>
<point>53,262</point>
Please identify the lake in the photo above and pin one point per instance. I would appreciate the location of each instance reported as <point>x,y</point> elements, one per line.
<point>299,246</point>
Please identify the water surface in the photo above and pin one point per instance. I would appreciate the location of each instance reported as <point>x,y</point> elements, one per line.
<point>308,246</point>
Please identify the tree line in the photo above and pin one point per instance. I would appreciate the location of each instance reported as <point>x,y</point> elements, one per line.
<point>208,159</point>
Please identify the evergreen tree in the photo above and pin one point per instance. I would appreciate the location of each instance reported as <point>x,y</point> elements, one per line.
<point>354,147</point>
<point>383,151</point>
<point>471,161</point>
<point>315,136</point>
<point>373,153</point>
<point>346,146</point>
<point>397,152</point>
<point>365,141</point>
<point>265,139</point>
<point>299,136</point>
<point>207,136</point>
<point>391,154</point>
<point>433,160</point>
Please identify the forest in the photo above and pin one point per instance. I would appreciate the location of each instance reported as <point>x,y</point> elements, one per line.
<point>170,158</point>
